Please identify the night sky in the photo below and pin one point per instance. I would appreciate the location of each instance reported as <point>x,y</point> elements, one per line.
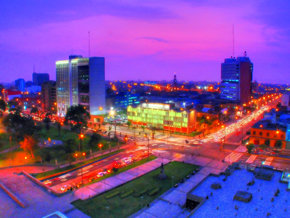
<point>146,39</point>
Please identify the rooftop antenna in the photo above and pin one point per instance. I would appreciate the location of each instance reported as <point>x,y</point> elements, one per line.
<point>33,68</point>
<point>233,40</point>
<point>89,34</point>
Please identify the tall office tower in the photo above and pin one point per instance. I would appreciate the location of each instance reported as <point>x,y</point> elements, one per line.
<point>20,84</point>
<point>81,81</point>
<point>48,94</point>
<point>236,75</point>
<point>39,78</point>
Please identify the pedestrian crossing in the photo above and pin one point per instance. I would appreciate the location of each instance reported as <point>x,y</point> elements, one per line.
<point>251,159</point>
<point>233,157</point>
<point>268,161</point>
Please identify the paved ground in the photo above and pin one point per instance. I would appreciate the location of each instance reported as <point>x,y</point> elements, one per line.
<point>114,181</point>
<point>38,201</point>
<point>170,203</point>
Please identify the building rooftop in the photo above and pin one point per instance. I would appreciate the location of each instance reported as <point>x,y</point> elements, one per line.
<point>268,125</point>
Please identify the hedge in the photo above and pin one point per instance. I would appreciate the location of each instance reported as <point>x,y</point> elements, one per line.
<point>154,191</point>
<point>113,194</point>
<point>126,194</point>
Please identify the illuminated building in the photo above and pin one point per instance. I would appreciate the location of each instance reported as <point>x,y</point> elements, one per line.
<point>125,99</point>
<point>162,116</point>
<point>268,133</point>
<point>48,94</point>
<point>81,81</point>
<point>236,75</point>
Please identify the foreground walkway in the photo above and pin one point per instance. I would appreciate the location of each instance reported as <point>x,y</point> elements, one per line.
<point>170,203</point>
<point>114,181</point>
<point>38,202</point>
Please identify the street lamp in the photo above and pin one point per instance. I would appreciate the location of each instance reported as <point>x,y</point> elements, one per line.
<point>100,146</point>
<point>81,137</point>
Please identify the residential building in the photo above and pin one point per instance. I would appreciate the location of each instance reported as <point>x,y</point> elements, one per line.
<point>20,85</point>
<point>39,78</point>
<point>162,116</point>
<point>236,76</point>
<point>48,94</point>
<point>81,81</point>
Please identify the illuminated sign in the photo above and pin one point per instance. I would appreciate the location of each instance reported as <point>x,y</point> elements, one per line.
<point>156,106</point>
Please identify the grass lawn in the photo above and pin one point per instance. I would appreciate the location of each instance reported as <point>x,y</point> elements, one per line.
<point>5,142</point>
<point>123,169</point>
<point>47,174</point>
<point>127,199</point>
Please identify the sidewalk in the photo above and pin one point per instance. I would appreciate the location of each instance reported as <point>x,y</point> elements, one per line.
<point>170,203</point>
<point>114,181</point>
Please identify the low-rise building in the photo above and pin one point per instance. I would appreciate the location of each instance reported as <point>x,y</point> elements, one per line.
<point>268,133</point>
<point>162,116</point>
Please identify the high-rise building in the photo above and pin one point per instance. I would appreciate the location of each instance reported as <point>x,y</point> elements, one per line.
<point>48,94</point>
<point>20,84</point>
<point>81,81</point>
<point>236,76</point>
<point>39,78</point>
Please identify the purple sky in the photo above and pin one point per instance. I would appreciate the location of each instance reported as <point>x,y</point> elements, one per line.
<point>146,39</point>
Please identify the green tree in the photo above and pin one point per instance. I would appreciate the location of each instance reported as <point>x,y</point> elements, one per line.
<point>47,122</point>
<point>34,110</point>
<point>2,105</point>
<point>19,126</point>
<point>250,147</point>
<point>94,140</point>
<point>58,125</point>
<point>78,117</point>
<point>13,105</point>
<point>28,144</point>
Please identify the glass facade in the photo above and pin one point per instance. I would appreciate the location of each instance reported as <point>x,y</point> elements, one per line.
<point>81,81</point>
<point>162,116</point>
<point>236,76</point>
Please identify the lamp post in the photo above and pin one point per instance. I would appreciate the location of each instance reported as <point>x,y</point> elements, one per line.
<point>81,137</point>
<point>100,146</point>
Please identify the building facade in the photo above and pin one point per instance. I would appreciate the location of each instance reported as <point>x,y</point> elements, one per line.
<point>270,134</point>
<point>48,94</point>
<point>39,78</point>
<point>20,84</point>
<point>162,116</point>
<point>236,76</point>
<point>285,101</point>
<point>81,81</point>
<point>123,100</point>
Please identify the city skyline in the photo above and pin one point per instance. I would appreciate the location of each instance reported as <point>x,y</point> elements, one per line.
<point>146,41</point>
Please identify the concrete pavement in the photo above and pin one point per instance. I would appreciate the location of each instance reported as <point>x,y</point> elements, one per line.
<point>170,204</point>
<point>37,200</point>
<point>114,181</point>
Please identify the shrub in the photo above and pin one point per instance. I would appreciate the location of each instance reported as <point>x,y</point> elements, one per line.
<point>141,192</point>
<point>154,191</point>
<point>112,194</point>
<point>126,194</point>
